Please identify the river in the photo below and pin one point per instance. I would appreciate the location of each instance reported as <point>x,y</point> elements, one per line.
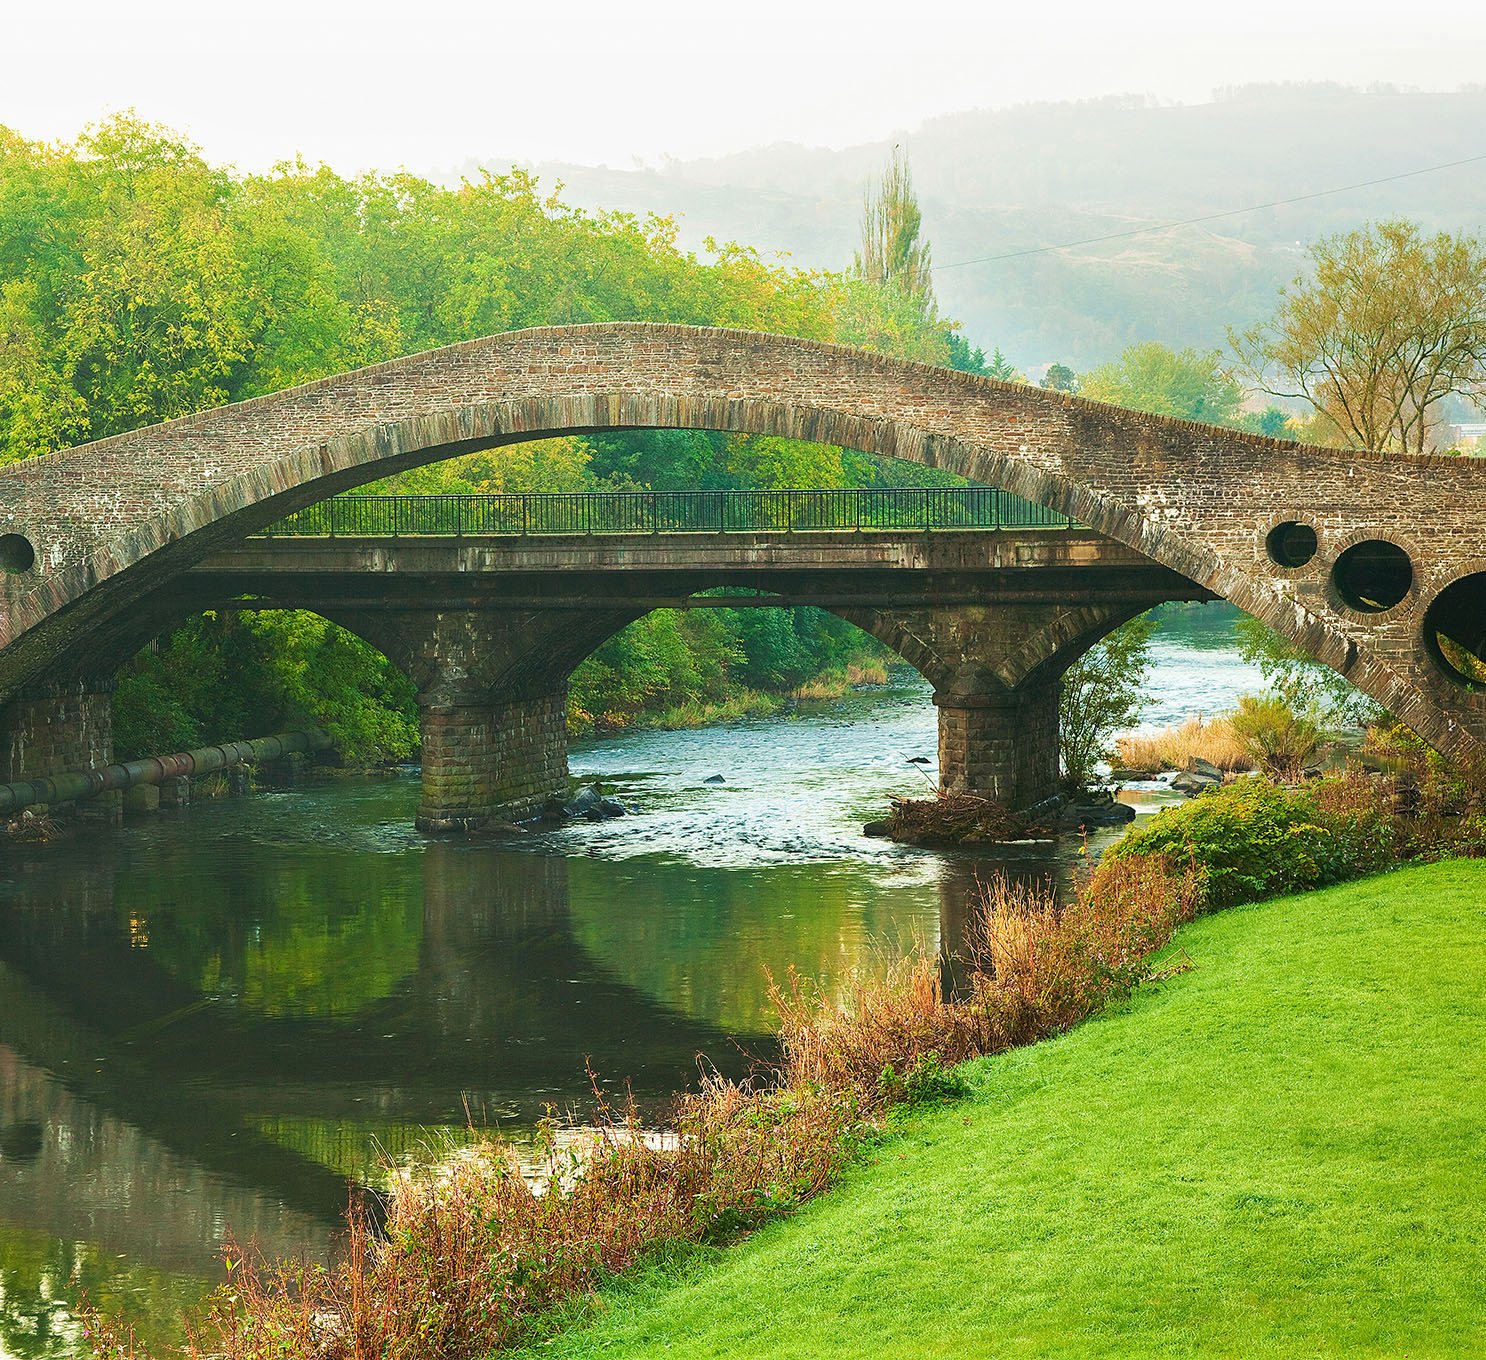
<point>212,1020</point>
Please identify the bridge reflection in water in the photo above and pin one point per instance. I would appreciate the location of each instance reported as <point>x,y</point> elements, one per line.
<point>216,1022</point>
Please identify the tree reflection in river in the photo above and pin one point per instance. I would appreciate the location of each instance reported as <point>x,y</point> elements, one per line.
<point>225,1014</point>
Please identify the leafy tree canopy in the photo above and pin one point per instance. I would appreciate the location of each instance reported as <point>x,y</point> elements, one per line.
<point>1166,382</point>
<point>1387,325</point>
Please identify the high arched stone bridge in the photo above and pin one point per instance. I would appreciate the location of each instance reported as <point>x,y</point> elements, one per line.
<point>1376,566</point>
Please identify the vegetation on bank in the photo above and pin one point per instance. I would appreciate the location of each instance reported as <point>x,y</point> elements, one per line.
<point>474,1259</point>
<point>1275,1153</point>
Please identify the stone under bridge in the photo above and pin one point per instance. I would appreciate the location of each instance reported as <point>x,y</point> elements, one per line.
<point>1375,566</point>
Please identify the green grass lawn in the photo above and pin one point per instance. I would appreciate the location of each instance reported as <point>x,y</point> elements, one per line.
<point>1279,1153</point>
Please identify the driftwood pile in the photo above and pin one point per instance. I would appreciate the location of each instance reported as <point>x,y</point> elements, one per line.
<point>30,827</point>
<point>954,819</point>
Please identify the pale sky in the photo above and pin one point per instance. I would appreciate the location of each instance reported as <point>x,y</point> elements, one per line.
<point>376,84</point>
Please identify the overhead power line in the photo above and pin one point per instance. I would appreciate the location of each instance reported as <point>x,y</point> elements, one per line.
<point>1210,217</point>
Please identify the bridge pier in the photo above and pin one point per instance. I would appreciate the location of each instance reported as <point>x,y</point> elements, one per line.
<point>492,698</point>
<point>58,729</point>
<point>484,759</point>
<point>1001,745</point>
<point>997,672</point>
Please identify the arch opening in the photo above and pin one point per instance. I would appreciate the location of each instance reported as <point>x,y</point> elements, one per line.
<point>17,554</point>
<point>1291,544</point>
<point>254,666</point>
<point>1373,575</point>
<point>1455,630</point>
<point>727,653</point>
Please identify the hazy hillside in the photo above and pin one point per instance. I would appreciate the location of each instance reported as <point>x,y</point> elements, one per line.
<point>993,183</point>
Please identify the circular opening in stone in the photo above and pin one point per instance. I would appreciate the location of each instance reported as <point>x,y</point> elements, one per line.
<point>1291,544</point>
<point>1455,629</point>
<point>1373,575</point>
<point>16,553</point>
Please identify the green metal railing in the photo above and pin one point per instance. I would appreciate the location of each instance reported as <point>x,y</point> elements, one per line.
<point>670,512</point>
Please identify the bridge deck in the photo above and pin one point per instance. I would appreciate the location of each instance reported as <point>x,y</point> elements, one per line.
<point>829,568</point>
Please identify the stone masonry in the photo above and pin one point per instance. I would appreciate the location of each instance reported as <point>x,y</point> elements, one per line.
<point>490,629</point>
<point>68,729</point>
<point>1003,747</point>
<point>488,761</point>
<point>492,700</point>
<point>997,671</point>
<point>87,536</point>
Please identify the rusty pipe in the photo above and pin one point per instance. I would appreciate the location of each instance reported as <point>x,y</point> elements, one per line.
<point>75,785</point>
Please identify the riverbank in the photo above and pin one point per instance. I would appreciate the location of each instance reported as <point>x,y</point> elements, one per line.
<point>1274,1153</point>
<point>740,702</point>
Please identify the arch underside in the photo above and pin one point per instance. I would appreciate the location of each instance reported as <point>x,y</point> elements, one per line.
<point>529,653</point>
<point>1196,499</point>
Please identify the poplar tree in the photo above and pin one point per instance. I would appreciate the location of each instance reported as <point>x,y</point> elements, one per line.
<point>893,257</point>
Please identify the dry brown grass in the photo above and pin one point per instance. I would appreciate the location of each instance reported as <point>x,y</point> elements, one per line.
<point>473,1255</point>
<point>1174,749</point>
<point>829,686</point>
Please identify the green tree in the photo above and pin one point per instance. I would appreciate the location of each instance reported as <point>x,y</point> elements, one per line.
<point>892,257</point>
<point>1386,326</point>
<point>1309,687</point>
<point>887,301</point>
<point>1000,367</point>
<point>1102,693</point>
<point>1272,422</point>
<point>1059,378</point>
<point>1166,382</point>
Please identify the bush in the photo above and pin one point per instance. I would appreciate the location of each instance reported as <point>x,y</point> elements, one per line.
<point>1253,839</point>
<point>1280,737</point>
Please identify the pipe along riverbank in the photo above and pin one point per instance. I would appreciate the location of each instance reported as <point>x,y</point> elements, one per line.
<point>79,785</point>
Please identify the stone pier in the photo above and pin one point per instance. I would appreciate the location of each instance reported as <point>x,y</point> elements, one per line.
<point>484,760</point>
<point>997,674</point>
<point>1002,745</point>
<point>492,700</point>
<point>59,729</point>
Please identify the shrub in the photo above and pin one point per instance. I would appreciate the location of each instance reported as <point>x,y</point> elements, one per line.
<point>1253,839</point>
<point>1043,967</point>
<point>1281,738</point>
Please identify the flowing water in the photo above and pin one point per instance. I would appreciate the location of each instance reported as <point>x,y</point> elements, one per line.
<point>212,1021</point>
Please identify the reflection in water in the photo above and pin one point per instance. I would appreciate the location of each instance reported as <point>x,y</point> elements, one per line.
<point>215,1019</point>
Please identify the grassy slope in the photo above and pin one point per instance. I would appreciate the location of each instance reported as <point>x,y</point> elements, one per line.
<point>1279,1153</point>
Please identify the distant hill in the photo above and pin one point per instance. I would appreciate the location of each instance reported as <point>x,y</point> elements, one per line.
<point>993,183</point>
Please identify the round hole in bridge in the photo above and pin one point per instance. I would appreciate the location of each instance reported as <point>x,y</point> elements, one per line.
<point>16,553</point>
<point>1373,575</point>
<point>1455,629</point>
<point>1291,544</point>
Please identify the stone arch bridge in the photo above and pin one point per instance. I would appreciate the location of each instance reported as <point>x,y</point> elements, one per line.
<point>1375,566</point>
